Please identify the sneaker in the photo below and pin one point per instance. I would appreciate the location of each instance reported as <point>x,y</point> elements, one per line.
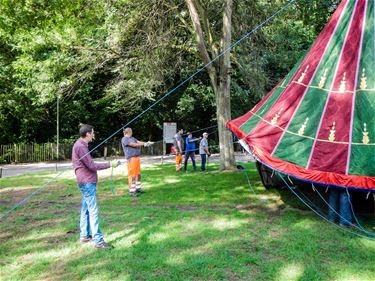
<point>103,245</point>
<point>132,194</point>
<point>86,239</point>
<point>139,190</point>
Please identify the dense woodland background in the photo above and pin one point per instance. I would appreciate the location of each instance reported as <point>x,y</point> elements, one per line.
<point>108,60</point>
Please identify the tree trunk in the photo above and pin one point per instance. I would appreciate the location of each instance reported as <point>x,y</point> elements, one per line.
<point>220,78</point>
<point>225,138</point>
<point>223,110</point>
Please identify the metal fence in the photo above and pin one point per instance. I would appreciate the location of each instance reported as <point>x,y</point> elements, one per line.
<point>45,152</point>
<point>34,152</point>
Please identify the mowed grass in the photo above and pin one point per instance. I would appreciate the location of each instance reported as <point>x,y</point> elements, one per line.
<point>194,226</point>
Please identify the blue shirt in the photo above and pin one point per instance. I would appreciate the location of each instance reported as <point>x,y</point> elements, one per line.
<point>190,146</point>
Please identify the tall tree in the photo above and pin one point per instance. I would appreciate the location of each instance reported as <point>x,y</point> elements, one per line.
<point>218,71</point>
<point>109,60</point>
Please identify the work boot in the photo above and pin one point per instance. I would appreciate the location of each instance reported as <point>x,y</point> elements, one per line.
<point>132,194</point>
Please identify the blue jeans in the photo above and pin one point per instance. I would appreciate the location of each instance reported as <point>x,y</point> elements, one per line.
<point>203,157</point>
<point>339,200</point>
<point>90,213</point>
<point>190,154</point>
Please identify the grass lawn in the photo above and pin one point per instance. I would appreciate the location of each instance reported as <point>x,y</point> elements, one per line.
<point>190,226</point>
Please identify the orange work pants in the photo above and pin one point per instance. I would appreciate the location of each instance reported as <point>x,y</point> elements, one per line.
<point>178,162</point>
<point>134,173</point>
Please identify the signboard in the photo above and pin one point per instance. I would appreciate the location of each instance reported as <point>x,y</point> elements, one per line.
<point>169,130</point>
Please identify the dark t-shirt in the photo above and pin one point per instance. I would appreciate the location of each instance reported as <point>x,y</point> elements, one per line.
<point>129,151</point>
<point>179,138</point>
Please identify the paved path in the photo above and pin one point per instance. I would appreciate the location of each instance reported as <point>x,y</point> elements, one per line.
<point>21,169</point>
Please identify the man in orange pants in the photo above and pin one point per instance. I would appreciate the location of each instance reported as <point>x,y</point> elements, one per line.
<point>132,151</point>
<point>178,143</point>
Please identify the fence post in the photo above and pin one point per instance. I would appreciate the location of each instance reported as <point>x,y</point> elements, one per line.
<point>162,157</point>
<point>105,153</point>
<point>15,153</point>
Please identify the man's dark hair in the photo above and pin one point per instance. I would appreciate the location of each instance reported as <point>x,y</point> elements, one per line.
<point>84,129</point>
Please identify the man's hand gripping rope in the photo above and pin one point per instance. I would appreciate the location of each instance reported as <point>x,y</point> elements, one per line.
<point>149,143</point>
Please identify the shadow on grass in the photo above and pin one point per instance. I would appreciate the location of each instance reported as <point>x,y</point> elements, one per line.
<point>185,227</point>
<point>205,245</point>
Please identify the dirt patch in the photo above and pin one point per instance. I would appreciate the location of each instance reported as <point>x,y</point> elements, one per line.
<point>70,232</point>
<point>12,196</point>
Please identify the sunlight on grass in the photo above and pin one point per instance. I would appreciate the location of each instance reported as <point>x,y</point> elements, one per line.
<point>129,239</point>
<point>25,262</point>
<point>305,224</point>
<point>118,234</point>
<point>53,253</point>
<point>350,276</point>
<point>39,235</point>
<point>166,232</point>
<point>175,260</point>
<point>152,167</point>
<point>291,272</point>
<point>225,224</point>
<point>10,269</point>
<point>159,237</point>
<point>180,258</point>
<point>369,244</point>
<point>106,276</point>
<point>199,251</point>
<point>193,227</point>
<point>171,180</point>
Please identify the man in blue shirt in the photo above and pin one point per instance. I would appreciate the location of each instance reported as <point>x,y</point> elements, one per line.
<point>190,151</point>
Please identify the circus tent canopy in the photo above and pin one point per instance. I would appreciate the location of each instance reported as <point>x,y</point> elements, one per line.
<point>318,124</point>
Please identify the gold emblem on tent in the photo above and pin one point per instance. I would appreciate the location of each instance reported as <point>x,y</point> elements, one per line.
<point>323,79</point>
<point>303,75</point>
<point>363,84</point>
<point>276,117</point>
<point>343,84</point>
<point>301,131</point>
<point>365,138</point>
<point>331,137</point>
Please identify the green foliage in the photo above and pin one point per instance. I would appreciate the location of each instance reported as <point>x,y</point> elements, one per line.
<point>109,60</point>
